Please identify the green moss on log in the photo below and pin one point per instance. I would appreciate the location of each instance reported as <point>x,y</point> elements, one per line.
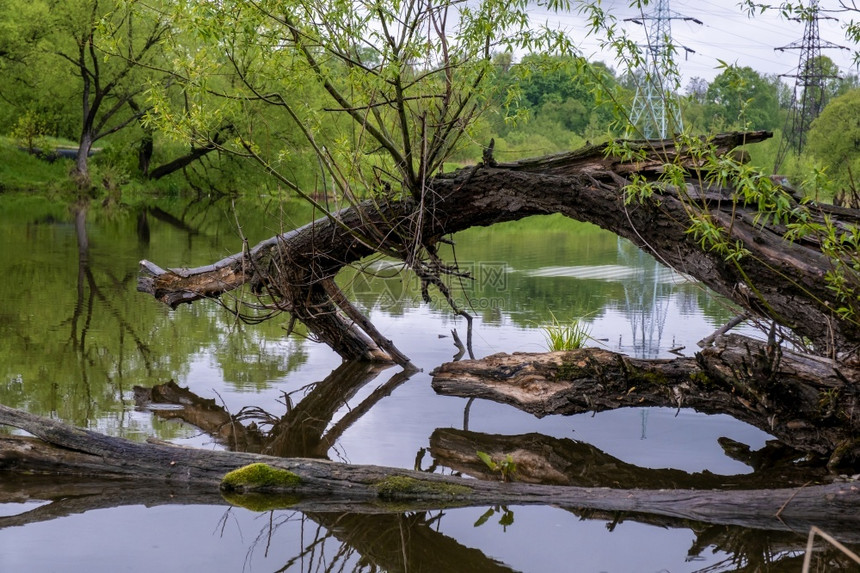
<point>701,379</point>
<point>645,377</point>
<point>259,477</point>
<point>572,370</point>
<point>402,487</point>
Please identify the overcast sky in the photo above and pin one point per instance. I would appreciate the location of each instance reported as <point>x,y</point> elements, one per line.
<point>726,33</point>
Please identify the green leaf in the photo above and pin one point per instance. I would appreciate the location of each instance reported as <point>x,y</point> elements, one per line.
<point>488,461</point>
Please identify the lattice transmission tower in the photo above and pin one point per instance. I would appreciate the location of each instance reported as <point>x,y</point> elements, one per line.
<point>656,111</point>
<point>809,87</point>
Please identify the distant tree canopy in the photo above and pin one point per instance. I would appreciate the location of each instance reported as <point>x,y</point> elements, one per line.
<point>203,74</point>
<point>553,103</point>
<point>76,65</point>
<point>561,90</point>
<point>740,97</point>
<point>31,80</point>
<point>835,139</point>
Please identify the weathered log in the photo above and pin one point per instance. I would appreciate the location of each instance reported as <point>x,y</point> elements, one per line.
<point>62,449</point>
<point>356,525</point>
<point>297,268</point>
<point>808,403</point>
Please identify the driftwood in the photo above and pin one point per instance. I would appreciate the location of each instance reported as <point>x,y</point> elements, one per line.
<point>295,270</point>
<point>64,450</point>
<point>808,403</point>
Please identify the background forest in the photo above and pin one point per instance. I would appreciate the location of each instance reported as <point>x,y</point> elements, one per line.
<point>107,96</point>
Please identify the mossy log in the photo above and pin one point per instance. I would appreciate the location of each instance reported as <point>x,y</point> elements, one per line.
<point>807,402</point>
<point>59,449</point>
<point>384,535</point>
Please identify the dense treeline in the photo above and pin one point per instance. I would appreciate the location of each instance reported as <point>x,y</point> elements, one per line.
<point>116,79</point>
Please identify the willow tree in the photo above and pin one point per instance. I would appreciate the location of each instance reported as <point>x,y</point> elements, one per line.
<point>373,96</point>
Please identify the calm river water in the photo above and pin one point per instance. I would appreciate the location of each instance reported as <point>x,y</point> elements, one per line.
<point>76,338</point>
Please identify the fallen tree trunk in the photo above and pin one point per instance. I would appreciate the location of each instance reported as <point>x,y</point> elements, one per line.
<point>64,450</point>
<point>780,280</point>
<point>808,403</point>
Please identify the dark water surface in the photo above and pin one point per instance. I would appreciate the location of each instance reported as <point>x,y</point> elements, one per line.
<point>76,337</point>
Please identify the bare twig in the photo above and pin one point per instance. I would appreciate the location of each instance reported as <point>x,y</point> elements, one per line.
<point>813,531</point>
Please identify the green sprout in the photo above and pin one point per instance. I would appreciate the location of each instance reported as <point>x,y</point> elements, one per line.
<point>506,467</point>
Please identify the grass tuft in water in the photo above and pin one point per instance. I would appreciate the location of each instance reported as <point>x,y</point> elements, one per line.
<point>567,336</point>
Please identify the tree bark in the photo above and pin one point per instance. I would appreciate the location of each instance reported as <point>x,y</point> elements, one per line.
<point>587,185</point>
<point>808,403</point>
<point>85,145</point>
<point>63,450</point>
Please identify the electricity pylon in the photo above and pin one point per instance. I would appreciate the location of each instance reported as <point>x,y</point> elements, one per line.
<point>809,89</point>
<point>656,111</point>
